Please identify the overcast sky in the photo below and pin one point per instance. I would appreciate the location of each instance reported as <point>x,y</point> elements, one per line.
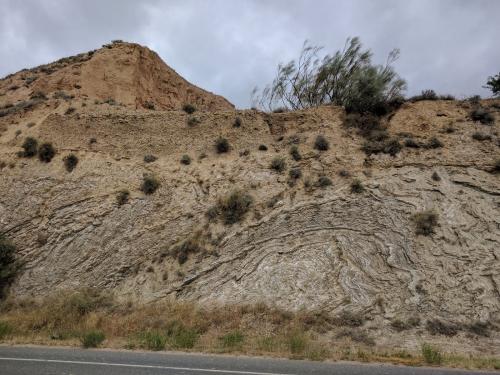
<point>230,46</point>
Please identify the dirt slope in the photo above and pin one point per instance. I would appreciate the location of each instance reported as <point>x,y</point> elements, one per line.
<point>300,246</point>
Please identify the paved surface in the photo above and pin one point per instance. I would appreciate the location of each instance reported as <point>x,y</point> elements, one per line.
<point>55,361</point>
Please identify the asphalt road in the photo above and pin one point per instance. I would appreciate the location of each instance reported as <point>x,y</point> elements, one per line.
<point>55,361</point>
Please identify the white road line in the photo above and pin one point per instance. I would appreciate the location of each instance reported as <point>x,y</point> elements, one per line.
<point>140,366</point>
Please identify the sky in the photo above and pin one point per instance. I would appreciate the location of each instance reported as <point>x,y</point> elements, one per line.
<point>231,46</point>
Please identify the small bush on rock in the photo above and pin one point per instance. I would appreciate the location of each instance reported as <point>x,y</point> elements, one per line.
<point>222,145</point>
<point>149,185</point>
<point>30,147</point>
<point>357,187</point>
<point>186,159</point>
<point>237,122</point>
<point>294,152</point>
<point>431,355</point>
<point>481,136</point>
<point>482,115</point>
<point>122,197</point>
<point>46,152</point>
<point>92,339</point>
<point>278,164</point>
<point>70,162</point>
<point>321,143</point>
<point>189,108</point>
<point>149,158</point>
<point>262,148</point>
<point>231,208</point>
<point>425,222</point>
<point>434,143</point>
<point>324,181</point>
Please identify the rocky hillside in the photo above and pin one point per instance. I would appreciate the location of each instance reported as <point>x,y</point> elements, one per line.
<point>326,227</point>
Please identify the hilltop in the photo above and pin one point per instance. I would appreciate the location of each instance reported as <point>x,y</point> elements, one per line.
<point>320,225</point>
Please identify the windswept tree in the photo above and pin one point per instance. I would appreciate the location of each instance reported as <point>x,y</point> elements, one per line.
<point>493,84</point>
<point>347,78</point>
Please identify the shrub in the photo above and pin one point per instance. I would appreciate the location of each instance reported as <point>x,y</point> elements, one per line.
<point>294,151</point>
<point>400,325</point>
<point>278,164</point>
<point>181,251</point>
<point>122,197</point>
<point>390,146</point>
<point>496,166</point>
<point>295,173</point>
<point>410,142</point>
<point>435,176</point>
<point>425,95</point>
<point>221,145</point>
<point>46,152</point>
<point>70,162</point>
<point>232,339</point>
<point>262,148</point>
<point>493,84</point>
<point>149,158</point>
<point>321,143</point>
<point>481,136</point>
<point>92,339</point>
<point>154,340</point>
<point>431,355</point>
<point>70,110</point>
<point>438,327</point>
<point>189,108</point>
<point>480,328</point>
<point>482,115</point>
<point>5,330</point>
<point>357,186</point>
<point>324,181</point>
<point>149,105</point>
<point>180,336</point>
<point>237,122</point>
<point>357,335</point>
<point>425,222</point>
<point>344,173</point>
<point>434,143</point>
<point>297,342</point>
<point>186,159</point>
<point>232,208</point>
<point>193,120</point>
<point>30,147</point>
<point>8,265</point>
<point>149,184</point>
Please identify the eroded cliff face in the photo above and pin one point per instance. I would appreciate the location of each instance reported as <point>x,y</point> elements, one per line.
<point>301,246</point>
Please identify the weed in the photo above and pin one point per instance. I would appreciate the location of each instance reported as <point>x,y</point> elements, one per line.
<point>92,339</point>
<point>70,162</point>
<point>425,222</point>
<point>122,197</point>
<point>295,173</point>
<point>186,159</point>
<point>5,330</point>
<point>232,339</point>
<point>434,143</point>
<point>222,145</point>
<point>324,181</point>
<point>237,122</point>
<point>431,355</point>
<point>294,152</point>
<point>189,108</point>
<point>321,143</point>
<point>154,340</point>
<point>357,186</point>
<point>193,120</point>
<point>30,147</point>
<point>46,152</point>
<point>278,164</point>
<point>149,158</point>
<point>232,208</point>
<point>149,185</point>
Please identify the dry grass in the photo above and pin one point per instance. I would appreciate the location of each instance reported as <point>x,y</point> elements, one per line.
<point>71,317</point>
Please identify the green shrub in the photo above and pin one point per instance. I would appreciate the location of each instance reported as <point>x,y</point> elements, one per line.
<point>435,176</point>
<point>237,122</point>
<point>493,84</point>
<point>193,120</point>
<point>482,115</point>
<point>181,251</point>
<point>278,164</point>
<point>411,143</point>
<point>388,146</point>
<point>46,152</point>
<point>357,186</point>
<point>180,336</point>
<point>425,222</point>
<point>431,355</point>
<point>221,145</point>
<point>324,181</point>
<point>294,151</point>
<point>481,136</point>
<point>232,339</point>
<point>186,159</point>
<point>189,108</point>
<point>30,147</point>
<point>295,173</point>
<point>122,197</point>
<point>262,148</point>
<point>297,342</point>
<point>70,162</point>
<point>154,340</point>
<point>434,143</point>
<point>425,95</point>
<point>321,143</point>
<point>5,330</point>
<point>438,327</point>
<point>8,264</point>
<point>92,339</point>
<point>149,158</point>
<point>233,207</point>
<point>149,184</point>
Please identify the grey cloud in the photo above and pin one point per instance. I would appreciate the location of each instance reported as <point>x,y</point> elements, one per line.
<point>228,47</point>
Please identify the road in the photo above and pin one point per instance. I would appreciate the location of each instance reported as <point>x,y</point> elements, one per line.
<point>16,360</point>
